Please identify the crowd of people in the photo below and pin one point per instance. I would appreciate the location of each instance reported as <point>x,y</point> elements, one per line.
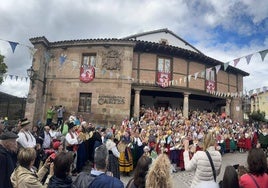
<point>161,142</point>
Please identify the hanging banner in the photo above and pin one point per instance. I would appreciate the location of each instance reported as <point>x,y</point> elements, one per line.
<point>210,85</point>
<point>163,79</point>
<point>87,73</point>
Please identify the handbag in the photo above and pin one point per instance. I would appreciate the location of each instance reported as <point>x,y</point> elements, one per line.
<point>212,165</point>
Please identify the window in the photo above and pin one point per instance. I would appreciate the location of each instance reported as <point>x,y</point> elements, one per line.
<point>164,65</point>
<point>210,76</point>
<point>85,102</point>
<point>89,60</point>
<point>164,72</point>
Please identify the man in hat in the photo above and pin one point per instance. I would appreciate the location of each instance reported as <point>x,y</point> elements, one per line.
<point>26,139</point>
<point>8,157</point>
<point>72,141</point>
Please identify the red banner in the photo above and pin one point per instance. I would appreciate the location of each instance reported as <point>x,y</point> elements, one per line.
<point>163,79</point>
<point>87,74</point>
<point>210,86</point>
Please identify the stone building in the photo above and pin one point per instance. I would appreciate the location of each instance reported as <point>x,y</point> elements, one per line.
<point>259,101</point>
<point>107,80</point>
<point>12,107</point>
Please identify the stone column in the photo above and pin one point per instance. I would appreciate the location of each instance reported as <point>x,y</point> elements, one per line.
<point>186,105</point>
<point>228,107</point>
<point>137,103</point>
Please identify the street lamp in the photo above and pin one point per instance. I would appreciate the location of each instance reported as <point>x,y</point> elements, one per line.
<point>31,75</point>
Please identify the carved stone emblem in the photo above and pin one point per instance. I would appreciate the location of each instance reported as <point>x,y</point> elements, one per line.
<point>112,60</point>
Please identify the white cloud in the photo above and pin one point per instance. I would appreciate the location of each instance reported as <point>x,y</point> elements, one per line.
<point>18,88</point>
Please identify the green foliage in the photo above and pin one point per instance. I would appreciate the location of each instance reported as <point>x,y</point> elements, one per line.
<point>257,116</point>
<point>3,68</point>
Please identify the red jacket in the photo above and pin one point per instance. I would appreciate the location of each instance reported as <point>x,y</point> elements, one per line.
<point>246,181</point>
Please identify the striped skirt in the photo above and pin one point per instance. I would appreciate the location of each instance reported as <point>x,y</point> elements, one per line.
<point>126,161</point>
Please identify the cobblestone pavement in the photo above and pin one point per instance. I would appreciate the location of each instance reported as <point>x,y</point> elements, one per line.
<point>184,179</point>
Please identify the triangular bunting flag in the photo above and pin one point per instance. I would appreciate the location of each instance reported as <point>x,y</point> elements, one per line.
<point>10,76</point>
<point>62,59</point>
<point>75,65</point>
<point>225,65</point>
<point>258,90</point>
<point>202,74</point>
<point>26,78</point>
<point>263,54</point>
<point>208,70</point>
<point>195,75</point>
<point>16,77</point>
<point>189,78</point>
<point>236,61</point>
<point>13,45</point>
<point>218,67</point>
<point>248,58</point>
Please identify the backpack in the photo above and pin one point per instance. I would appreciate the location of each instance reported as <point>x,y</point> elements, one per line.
<point>83,180</point>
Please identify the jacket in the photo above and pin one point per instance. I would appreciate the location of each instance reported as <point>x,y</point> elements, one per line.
<point>7,166</point>
<point>200,163</point>
<point>56,182</point>
<point>246,181</point>
<point>105,181</point>
<point>25,178</point>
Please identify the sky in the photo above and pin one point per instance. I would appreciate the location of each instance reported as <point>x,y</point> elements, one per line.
<point>224,30</point>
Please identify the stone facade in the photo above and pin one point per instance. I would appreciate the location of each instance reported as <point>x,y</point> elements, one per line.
<point>125,78</point>
<point>12,107</point>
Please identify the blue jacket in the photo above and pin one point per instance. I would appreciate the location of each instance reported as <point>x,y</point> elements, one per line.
<point>105,181</point>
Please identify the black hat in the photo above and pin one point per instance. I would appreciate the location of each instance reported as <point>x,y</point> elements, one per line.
<point>8,135</point>
<point>24,122</point>
<point>71,125</point>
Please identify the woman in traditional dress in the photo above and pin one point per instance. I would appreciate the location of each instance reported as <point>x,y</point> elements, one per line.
<point>125,159</point>
<point>233,141</point>
<point>113,163</point>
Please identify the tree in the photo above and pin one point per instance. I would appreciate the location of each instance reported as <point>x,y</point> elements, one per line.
<point>3,68</point>
<point>257,116</point>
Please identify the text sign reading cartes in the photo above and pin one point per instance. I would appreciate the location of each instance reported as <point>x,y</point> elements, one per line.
<point>107,99</point>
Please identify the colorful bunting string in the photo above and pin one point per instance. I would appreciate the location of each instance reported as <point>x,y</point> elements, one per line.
<point>14,45</point>
<point>262,53</point>
<point>16,77</point>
